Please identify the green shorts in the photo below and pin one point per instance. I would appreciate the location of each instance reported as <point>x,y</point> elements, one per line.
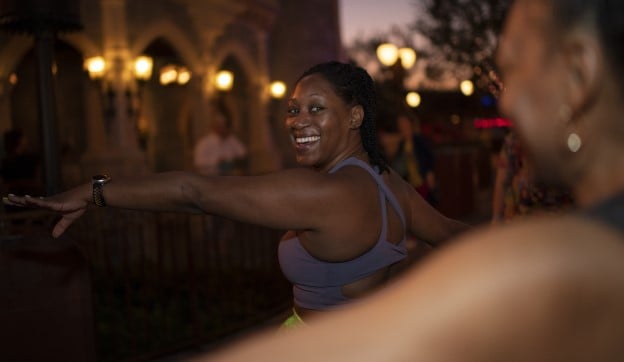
<point>293,321</point>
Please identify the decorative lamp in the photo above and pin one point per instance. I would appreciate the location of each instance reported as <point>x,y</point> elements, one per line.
<point>387,54</point>
<point>224,80</point>
<point>168,74</point>
<point>278,89</point>
<point>96,66</point>
<point>407,56</point>
<point>143,68</point>
<point>412,99</point>
<point>466,87</point>
<point>184,75</point>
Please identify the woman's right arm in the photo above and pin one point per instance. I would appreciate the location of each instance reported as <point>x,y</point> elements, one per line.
<point>156,192</point>
<point>287,199</point>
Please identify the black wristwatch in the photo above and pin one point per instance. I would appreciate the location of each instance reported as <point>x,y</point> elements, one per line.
<point>98,182</point>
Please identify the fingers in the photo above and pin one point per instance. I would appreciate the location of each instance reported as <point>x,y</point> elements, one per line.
<point>60,228</point>
<point>29,201</point>
<point>15,200</point>
<point>71,211</point>
<point>65,222</point>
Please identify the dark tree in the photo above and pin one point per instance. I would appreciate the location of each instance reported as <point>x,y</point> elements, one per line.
<point>456,39</point>
<point>462,36</point>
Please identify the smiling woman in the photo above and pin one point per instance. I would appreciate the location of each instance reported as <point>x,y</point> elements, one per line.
<point>348,214</point>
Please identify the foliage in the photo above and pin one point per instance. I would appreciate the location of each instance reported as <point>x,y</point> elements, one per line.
<point>455,38</point>
<point>462,35</point>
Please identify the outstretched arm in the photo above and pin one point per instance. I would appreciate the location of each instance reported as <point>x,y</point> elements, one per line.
<point>283,200</point>
<point>428,224</point>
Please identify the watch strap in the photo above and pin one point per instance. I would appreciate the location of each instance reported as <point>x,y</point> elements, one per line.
<point>98,182</point>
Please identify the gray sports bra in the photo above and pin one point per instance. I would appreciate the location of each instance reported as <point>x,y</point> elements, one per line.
<point>316,283</point>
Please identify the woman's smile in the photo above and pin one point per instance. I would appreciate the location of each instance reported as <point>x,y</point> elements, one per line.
<point>305,143</point>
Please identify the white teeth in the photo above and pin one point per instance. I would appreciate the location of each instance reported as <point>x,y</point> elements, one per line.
<point>307,139</point>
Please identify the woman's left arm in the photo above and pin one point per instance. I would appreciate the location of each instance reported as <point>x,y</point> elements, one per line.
<point>428,224</point>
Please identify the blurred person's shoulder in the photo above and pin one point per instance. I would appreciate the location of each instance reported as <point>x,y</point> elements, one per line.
<point>571,237</point>
<point>557,263</point>
<point>550,284</point>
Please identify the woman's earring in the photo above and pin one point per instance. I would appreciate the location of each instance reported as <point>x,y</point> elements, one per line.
<point>574,142</point>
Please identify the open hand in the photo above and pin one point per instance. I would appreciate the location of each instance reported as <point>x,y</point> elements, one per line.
<point>71,204</point>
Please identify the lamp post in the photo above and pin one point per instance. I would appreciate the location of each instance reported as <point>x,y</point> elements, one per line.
<point>398,60</point>
<point>395,61</point>
<point>42,20</point>
<point>142,71</point>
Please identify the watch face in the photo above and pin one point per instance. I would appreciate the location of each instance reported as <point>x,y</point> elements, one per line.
<point>100,178</point>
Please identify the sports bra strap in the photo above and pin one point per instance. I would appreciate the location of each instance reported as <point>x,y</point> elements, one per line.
<point>353,161</point>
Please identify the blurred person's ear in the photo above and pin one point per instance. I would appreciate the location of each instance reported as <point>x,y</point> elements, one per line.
<point>586,69</point>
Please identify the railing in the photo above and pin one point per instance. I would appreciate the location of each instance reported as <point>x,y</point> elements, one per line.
<point>163,281</point>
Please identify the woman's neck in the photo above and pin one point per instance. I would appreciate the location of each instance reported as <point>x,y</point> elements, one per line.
<point>602,180</point>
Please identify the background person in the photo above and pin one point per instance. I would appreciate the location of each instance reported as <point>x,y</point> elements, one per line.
<point>516,193</point>
<point>347,211</point>
<point>219,152</point>
<point>414,159</point>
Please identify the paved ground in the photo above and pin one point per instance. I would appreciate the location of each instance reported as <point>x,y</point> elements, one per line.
<point>193,353</point>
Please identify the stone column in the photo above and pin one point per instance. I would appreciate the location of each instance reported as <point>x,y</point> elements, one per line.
<point>121,154</point>
<point>5,104</point>
<point>288,59</point>
<point>263,156</point>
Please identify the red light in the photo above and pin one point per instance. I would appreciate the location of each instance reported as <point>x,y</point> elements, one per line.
<point>492,123</point>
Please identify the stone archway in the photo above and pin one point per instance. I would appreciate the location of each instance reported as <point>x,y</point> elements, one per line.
<point>165,111</point>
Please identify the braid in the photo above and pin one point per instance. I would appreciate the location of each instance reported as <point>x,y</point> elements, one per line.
<point>355,86</point>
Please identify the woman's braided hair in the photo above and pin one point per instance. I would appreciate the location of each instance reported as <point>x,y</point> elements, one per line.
<point>356,87</point>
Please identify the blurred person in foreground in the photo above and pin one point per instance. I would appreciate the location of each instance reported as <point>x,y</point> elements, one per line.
<point>347,211</point>
<point>548,288</point>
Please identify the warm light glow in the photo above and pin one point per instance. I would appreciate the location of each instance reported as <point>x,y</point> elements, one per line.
<point>143,67</point>
<point>278,89</point>
<point>466,87</point>
<point>184,75</point>
<point>13,79</point>
<point>387,54</point>
<point>168,74</point>
<point>455,119</point>
<point>412,99</point>
<point>224,80</point>
<point>96,66</point>
<point>408,57</point>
